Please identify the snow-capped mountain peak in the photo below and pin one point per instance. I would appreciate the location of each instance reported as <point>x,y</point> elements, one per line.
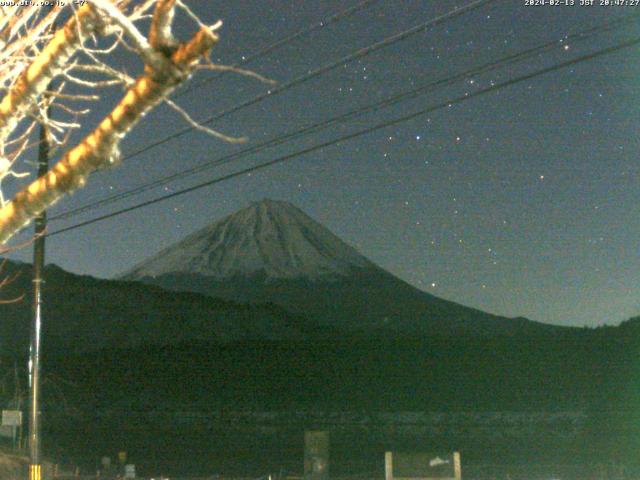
<point>271,238</point>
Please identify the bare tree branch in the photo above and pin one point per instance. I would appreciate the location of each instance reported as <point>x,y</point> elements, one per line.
<point>100,148</point>
<point>202,128</point>
<point>35,78</point>
<point>6,281</point>
<point>43,68</point>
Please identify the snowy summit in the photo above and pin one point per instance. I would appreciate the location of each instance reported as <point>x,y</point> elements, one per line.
<point>270,238</point>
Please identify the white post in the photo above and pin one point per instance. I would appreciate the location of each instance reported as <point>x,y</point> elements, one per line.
<point>457,467</point>
<point>388,465</point>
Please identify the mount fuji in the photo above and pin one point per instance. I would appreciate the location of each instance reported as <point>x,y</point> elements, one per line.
<point>272,252</point>
<point>271,239</point>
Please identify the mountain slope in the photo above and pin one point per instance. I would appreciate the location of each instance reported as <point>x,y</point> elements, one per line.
<point>273,252</point>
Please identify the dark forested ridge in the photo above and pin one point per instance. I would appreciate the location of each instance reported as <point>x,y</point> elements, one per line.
<point>83,313</point>
<point>571,397</point>
<point>570,371</point>
<point>128,364</point>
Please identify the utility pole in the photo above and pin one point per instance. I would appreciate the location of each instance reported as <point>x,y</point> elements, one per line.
<point>35,464</point>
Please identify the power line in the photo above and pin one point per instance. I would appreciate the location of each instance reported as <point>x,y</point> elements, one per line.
<point>283,41</point>
<point>507,60</point>
<point>359,133</point>
<point>319,71</point>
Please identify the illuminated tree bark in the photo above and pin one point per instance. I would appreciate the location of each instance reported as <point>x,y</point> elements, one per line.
<point>51,62</point>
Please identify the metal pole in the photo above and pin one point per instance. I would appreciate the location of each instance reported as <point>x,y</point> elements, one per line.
<point>35,468</point>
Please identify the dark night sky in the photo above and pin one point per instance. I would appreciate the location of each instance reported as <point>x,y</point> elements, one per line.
<point>519,202</point>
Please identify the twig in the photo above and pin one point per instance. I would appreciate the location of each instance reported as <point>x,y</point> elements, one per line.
<point>201,127</point>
